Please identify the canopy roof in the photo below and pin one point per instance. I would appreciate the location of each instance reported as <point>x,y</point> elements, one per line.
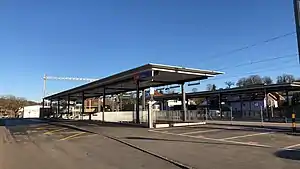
<point>237,90</point>
<point>149,75</point>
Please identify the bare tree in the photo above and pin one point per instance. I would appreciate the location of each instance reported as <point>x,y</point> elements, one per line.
<point>211,87</point>
<point>285,78</point>
<point>251,80</point>
<point>13,104</point>
<point>229,84</point>
<point>241,82</point>
<point>254,79</point>
<point>267,80</point>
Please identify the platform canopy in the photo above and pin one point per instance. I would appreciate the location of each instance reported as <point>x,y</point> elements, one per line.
<point>146,76</point>
<point>286,87</point>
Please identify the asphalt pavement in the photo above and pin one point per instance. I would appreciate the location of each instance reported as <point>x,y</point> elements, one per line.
<point>83,144</point>
<point>36,146</point>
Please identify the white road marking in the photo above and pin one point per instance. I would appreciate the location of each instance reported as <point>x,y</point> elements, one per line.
<point>201,131</point>
<point>291,147</point>
<point>247,135</point>
<point>212,139</point>
<point>174,128</point>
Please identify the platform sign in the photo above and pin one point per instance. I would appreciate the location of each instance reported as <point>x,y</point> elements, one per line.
<point>142,75</point>
<point>145,74</point>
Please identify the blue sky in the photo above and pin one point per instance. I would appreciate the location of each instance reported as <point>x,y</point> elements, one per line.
<point>97,38</point>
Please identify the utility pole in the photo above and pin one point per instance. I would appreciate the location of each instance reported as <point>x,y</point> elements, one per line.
<point>297,23</point>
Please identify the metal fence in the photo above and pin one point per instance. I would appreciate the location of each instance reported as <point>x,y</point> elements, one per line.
<point>177,115</point>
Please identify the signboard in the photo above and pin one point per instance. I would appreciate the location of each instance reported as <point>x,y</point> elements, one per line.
<point>145,74</point>
<point>142,75</point>
<point>151,91</point>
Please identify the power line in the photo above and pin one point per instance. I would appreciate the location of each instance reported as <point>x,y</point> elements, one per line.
<point>255,72</point>
<point>251,46</point>
<point>258,61</point>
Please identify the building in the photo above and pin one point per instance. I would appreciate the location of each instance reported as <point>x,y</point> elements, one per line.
<point>34,111</point>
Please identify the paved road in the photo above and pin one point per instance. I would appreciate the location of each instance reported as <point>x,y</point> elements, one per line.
<point>246,123</point>
<point>205,146</point>
<point>44,146</point>
<point>213,146</point>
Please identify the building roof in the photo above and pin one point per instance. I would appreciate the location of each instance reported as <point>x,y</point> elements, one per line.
<point>149,75</point>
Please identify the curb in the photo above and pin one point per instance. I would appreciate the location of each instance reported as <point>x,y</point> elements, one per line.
<point>255,126</point>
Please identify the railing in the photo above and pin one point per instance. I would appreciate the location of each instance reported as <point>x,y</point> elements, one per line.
<point>177,115</point>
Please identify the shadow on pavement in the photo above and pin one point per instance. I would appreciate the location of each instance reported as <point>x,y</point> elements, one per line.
<point>244,128</point>
<point>288,154</point>
<point>71,127</point>
<point>184,141</point>
<point>97,123</point>
<point>19,122</point>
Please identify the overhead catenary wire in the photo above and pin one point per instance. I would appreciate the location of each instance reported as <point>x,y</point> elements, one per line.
<point>256,72</point>
<point>250,46</point>
<point>258,61</point>
<point>281,67</point>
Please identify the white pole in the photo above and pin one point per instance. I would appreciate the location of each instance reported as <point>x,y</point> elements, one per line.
<point>261,116</point>
<point>150,121</point>
<point>44,87</point>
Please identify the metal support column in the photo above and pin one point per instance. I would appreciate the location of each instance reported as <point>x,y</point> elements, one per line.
<point>144,99</point>
<point>241,106</point>
<point>43,104</point>
<point>220,105</point>
<point>137,101</point>
<point>103,105</point>
<point>183,102</point>
<point>287,98</point>
<point>121,102</point>
<point>51,112</point>
<point>68,106</point>
<point>58,108</point>
<point>206,109</point>
<point>82,105</point>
